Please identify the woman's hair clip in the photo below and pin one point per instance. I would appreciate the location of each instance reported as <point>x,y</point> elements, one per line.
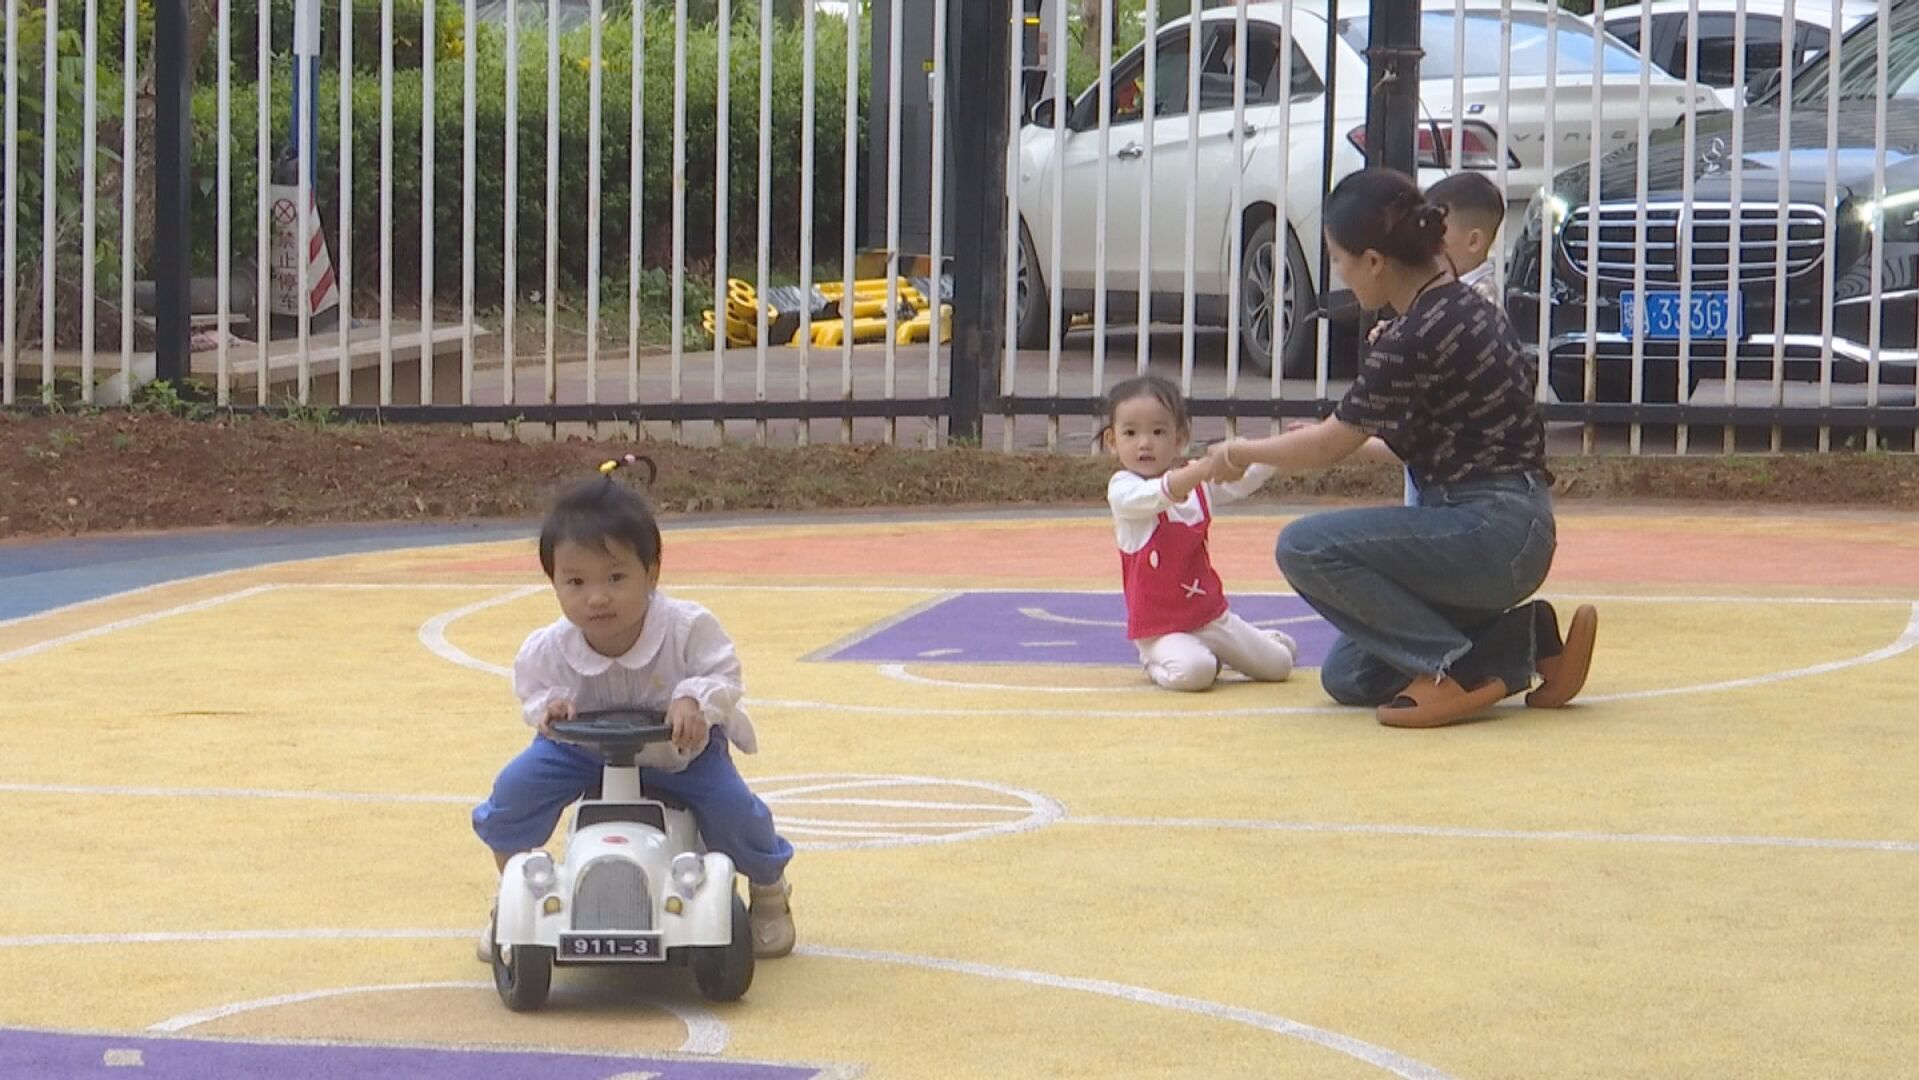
<point>624,461</point>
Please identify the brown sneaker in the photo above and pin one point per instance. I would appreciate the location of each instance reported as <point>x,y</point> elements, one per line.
<point>1563,675</point>
<point>1427,703</point>
<point>770,915</point>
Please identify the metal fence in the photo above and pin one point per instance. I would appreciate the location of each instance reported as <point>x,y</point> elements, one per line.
<point>737,219</point>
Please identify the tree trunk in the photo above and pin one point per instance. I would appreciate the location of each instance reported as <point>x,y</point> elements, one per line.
<point>1090,13</point>
<point>201,16</point>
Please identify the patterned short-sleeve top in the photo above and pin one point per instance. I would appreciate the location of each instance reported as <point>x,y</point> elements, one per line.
<point>1447,388</point>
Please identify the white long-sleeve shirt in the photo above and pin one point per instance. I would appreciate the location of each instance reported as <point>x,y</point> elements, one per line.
<point>1137,502</point>
<point>681,652</point>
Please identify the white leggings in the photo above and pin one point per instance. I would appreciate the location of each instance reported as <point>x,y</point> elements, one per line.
<point>1192,661</point>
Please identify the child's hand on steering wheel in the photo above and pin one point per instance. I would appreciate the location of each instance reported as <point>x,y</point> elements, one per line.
<point>689,725</point>
<point>556,711</point>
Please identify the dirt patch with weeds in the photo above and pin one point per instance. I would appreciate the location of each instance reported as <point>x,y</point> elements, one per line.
<point>64,474</point>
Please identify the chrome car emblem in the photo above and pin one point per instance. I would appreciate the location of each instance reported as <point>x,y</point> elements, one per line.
<point>1712,160</point>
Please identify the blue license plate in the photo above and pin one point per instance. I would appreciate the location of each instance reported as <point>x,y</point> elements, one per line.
<point>1714,315</point>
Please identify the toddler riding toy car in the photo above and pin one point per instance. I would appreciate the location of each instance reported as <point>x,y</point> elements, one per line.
<point>637,885</point>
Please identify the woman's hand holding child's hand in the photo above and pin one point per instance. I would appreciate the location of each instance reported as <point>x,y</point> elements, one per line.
<point>1225,471</point>
<point>689,725</point>
<point>561,709</point>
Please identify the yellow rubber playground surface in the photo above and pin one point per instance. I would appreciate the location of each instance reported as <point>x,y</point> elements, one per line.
<point>234,811</point>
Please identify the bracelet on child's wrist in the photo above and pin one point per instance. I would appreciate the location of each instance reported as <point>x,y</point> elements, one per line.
<point>1227,453</point>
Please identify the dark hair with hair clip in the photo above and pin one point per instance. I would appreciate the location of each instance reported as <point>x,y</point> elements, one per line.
<point>1157,387</point>
<point>1382,210</point>
<point>601,512</point>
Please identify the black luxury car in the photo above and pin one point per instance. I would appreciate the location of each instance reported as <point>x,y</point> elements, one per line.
<point>1826,243</point>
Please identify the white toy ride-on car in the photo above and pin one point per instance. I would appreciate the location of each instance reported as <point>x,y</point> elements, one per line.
<point>637,886</point>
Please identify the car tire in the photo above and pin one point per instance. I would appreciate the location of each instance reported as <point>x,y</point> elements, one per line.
<point>1032,302</point>
<point>524,977</point>
<point>724,972</point>
<point>1292,318</point>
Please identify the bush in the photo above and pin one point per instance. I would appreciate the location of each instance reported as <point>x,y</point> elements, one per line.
<point>69,164</point>
<point>408,32</point>
<point>574,122</point>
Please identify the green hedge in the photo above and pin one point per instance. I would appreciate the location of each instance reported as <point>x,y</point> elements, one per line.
<point>616,188</point>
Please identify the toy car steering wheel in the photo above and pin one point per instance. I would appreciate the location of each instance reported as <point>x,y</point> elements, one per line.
<point>617,733</point>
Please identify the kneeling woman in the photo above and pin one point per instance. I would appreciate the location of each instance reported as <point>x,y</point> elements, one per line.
<point>1429,599</point>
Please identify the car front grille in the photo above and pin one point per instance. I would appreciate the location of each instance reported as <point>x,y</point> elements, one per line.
<point>1708,249</point>
<point>611,894</point>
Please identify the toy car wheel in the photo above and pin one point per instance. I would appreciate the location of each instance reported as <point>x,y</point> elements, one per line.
<point>522,974</point>
<point>725,971</point>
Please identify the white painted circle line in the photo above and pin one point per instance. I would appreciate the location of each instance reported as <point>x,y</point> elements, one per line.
<point>1033,810</point>
<point>433,631</point>
<point>433,636</point>
<point>706,1034</point>
<point>1906,640</point>
<point>1377,1056</point>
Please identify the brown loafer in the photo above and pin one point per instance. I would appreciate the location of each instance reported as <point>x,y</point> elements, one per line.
<point>1426,703</point>
<point>1563,676</point>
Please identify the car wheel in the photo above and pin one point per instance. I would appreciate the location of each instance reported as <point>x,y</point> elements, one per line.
<point>1033,301</point>
<point>724,972</point>
<point>522,974</point>
<point>1270,311</point>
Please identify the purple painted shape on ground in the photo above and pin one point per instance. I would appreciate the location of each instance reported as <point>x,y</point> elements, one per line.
<point>1055,628</point>
<point>49,1055</point>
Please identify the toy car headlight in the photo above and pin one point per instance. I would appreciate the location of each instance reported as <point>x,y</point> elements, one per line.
<point>689,871</point>
<point>539,873</point>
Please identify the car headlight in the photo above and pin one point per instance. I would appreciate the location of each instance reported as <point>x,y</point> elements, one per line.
<point>689,871</point>
<point>1899,210</point>
<point>539,873</point>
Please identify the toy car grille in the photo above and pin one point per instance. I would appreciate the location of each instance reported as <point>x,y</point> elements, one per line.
<point>611,894</point>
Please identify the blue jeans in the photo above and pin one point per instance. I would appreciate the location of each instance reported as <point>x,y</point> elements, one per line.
<point>535,788</point>
<point>1416,591</point>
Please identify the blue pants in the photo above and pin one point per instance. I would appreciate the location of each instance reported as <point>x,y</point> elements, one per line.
<point>1415,591</point>
<point>536,787</point>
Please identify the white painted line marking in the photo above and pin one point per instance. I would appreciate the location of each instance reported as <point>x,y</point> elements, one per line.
<point>830,823</point>
<point>1036,811</point>
<point>1904,847</point>
<point>234,793</point>
<point>1047,644</point>
<point>891,839</point>
<point>898,673</point>
<point>1621,598</point>
<point>433,631</point>
<point>705,1033</point>
<point>908,804</point>
<point>1377,1056</point>
<point>1042,615</point>
<point>172,937</point>
<point>1907,639</point>
<point>433,635</point>
<point>1036,816</point>
<point>934,654</point>
<point>129,623</point>
<point>124,1059</point>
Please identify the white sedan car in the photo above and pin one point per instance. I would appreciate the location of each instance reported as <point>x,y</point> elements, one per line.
<point>1152,171</point>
